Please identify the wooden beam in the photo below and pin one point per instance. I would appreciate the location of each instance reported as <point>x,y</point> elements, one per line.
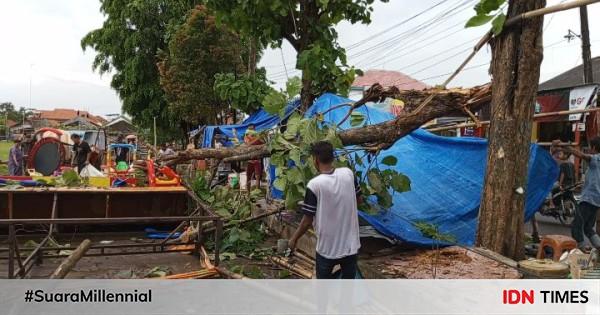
<point>541,115</point>
<point>67,265</point>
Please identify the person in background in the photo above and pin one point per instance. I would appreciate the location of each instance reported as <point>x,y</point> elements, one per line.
<point>169,150</point>
<point>566,177</point>
<point>331,205</point>
<point>254,167</point>
<point>163,149</point>
<point>121,154</point>
<point>15,158</point>
<point>587,211</point>
<point>81,152</point>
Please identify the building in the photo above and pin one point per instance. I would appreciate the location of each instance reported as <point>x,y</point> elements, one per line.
<point>60,116</point>
<point>385,78</point>
<point>120,125</point>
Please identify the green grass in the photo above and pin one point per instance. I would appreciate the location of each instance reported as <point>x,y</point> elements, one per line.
<point>4,148</point>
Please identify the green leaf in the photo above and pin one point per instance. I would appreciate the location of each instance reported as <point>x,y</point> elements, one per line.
<point>498,23</point>
<point>384,199</point>
<point>274,102</point>
<point>376,180</point>
<point>280,183</point>
<point>294,176</point>
<point>390,160</point>
<point>400,183</point>
<point>479,20</point>
<point>293,87</point>
<point>296,156</point>
<point>293,124</point>
<point>488,6</point>
<point>356,119</point>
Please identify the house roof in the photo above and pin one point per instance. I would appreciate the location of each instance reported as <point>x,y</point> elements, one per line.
<point>571,77</point>
<point>65,114</point>
<point>388,78</point>
<point>10,123</point>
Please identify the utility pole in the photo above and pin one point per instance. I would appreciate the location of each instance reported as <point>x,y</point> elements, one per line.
<point>588,76</point>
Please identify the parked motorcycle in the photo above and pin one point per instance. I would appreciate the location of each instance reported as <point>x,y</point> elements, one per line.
<point>565,204</point>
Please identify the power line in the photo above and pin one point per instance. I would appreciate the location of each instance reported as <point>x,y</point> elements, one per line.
<point>397,39</point>
<point>371,37</point>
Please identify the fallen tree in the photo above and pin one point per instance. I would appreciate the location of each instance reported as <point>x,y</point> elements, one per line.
<point>379,136</point>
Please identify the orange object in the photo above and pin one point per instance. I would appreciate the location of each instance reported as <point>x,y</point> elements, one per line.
<point>558,243</point>
<point>201,165</point>
<point>154,180</point>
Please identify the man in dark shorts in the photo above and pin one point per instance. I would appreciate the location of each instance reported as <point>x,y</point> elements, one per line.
<point>586,213</point>
<point>81,152</point>
<point>331,207</point>
<point>254,167</point>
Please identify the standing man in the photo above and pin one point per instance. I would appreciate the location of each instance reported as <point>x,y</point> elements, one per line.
<point>586,213</point>
<point>81,152</point>
<point>330,205</point>
<point>254,167</point>
<point>15,158</point>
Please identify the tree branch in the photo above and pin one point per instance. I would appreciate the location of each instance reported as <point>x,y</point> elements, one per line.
<point>443,103</point>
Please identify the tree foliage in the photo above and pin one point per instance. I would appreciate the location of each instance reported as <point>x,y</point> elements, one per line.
<point>245,93</point>
<point>8,110</point>
<point>199,50</point>
<point>486,11</point>
<point>309,27</point>
<point>127,46</point>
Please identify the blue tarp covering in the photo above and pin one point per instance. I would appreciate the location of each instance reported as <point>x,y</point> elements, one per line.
<point>447,179</point>
<point>261,120</point>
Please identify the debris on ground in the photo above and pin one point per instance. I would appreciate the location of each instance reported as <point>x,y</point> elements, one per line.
<point>447,263</point>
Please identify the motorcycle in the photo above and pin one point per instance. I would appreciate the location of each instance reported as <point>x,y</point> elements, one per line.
<point>565,204</point>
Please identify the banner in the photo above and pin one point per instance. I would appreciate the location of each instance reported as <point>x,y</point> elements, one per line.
<point>223,297</point>
<point>579,98</point>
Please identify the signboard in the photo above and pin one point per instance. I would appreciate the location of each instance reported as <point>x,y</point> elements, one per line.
<point>579,98</point>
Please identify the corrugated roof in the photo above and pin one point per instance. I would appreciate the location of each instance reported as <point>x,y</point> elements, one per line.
<point>65,114</point>
<point>571,77</point>
<point>389,78</point>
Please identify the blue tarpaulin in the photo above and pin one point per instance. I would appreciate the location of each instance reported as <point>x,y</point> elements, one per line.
<point>446,178</point>
<point>261,120</point>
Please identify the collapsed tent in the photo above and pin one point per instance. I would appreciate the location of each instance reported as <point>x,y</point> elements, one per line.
<point>260,119</point>
<point>446,179</point>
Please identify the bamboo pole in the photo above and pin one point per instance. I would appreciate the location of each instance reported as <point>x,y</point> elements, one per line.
<point>541,115</point>
<point>228,274</point>
<point>70,262</point>
<point>292,267</point>
<point>510,22</point>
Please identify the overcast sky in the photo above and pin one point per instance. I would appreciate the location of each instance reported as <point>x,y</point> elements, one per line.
<point>40,40</point>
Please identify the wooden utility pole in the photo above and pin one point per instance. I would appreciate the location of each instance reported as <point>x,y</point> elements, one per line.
<point>516,58</point>
<point>588,74</point>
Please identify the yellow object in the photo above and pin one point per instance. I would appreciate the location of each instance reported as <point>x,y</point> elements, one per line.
<point>93,181</point>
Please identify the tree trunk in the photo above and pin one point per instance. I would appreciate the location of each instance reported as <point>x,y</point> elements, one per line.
<point>516,57</point>
<point>306,96</point>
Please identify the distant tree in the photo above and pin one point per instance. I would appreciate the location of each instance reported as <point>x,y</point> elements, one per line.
<point>308,25</point>
<point>199,50</point>
<point>127,45</point>
<point>7,109</point>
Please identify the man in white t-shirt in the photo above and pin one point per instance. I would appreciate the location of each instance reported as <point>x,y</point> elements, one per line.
<point>330,205</point>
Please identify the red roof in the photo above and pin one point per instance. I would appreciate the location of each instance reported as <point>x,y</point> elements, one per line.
<point>389,78</point>
<point>64,114</point>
